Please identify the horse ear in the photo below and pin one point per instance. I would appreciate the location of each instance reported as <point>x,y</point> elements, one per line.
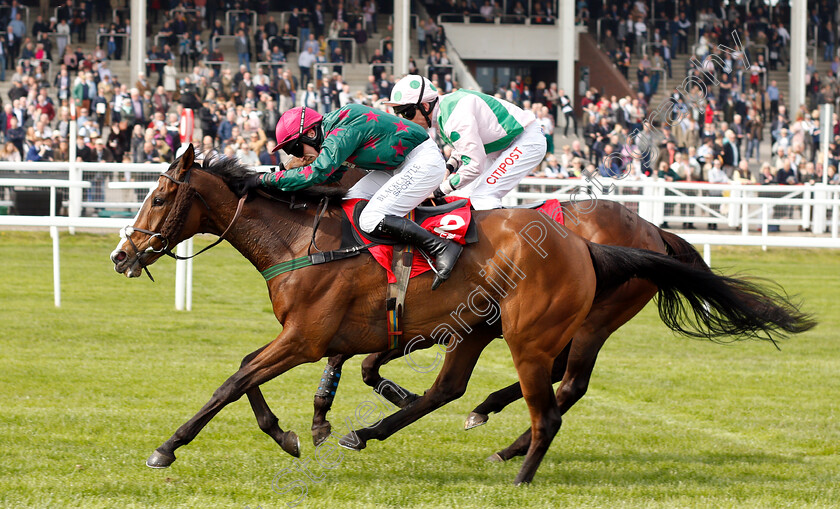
<point>187,161</point>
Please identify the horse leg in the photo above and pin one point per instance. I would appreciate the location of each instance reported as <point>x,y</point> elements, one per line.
<point>573,387</point>
<point>388,389</point>
<point>498,400</point>
<point>450,384</point>
<point>277,357</point>
<point>534,372</point>
<point>324,396</point>
<point>607,315</point>
<point>266,420</point>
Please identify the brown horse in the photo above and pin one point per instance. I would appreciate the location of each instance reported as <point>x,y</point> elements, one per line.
<point>605,223</point>
<point>336,309</point>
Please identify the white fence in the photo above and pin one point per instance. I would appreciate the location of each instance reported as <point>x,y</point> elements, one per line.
<point>109,187</point>
<point>734,205</point>
<point>124,186</point>
<point>741,206</point>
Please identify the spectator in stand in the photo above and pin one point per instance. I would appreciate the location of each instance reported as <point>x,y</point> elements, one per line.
<point>10,153</point>
<point>241,45</point>
<point>361,37</point>
<point>305,61</point>
<point>13,45</point>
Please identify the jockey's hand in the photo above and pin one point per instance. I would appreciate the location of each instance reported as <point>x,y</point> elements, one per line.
<point>248,184</point>
<point>438,194</point>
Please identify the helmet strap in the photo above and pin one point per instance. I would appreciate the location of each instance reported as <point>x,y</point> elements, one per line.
<point>426,114</point>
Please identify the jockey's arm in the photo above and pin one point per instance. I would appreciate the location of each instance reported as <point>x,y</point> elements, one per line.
<point>468,153</point>
<point>327,166</point>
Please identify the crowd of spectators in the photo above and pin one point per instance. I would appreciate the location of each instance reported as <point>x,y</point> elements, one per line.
<point>237,103</point>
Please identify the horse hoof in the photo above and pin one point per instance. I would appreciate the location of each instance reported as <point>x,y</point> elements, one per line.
<point>495,458</point>
<point>352,441</point>
<point>160,459</point>
<point>291,444</point>
<point>475,419</point>
<point>321,433</point>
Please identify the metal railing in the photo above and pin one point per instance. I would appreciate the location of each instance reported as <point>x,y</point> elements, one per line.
<point>272,66</point>
<point>503,19</point>
<point>352,45</point>
<point>222,64</point>
<point>325,65</point>
<point>237,12</point>
<point>179,36</point>
<point>295,47</point>
<point>127,46</point>
<point>440,70</point>
<point>187,10</point>
<point>125,11</point>
<point>217,39</point>
<point>663,82</point>
<point>25,12</point>
<point>389,65</point>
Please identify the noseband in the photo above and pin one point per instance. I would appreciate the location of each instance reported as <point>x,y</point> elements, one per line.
<point>174,222</point>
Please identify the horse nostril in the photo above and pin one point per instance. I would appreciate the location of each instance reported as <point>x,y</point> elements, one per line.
<point>120,256</point>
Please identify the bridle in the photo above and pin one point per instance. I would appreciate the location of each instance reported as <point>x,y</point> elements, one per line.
<point>173,225</point>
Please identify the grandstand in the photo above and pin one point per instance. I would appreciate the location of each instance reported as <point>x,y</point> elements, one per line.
<point>505,48</point>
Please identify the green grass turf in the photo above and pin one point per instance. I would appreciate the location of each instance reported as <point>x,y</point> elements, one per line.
<point>87,392</point>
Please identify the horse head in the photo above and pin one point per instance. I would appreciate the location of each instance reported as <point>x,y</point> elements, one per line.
<point>167,216</point>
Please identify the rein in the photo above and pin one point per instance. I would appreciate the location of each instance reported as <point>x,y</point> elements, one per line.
<point>174,222</point>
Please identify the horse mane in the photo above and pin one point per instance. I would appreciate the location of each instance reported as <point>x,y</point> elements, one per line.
<point>231,171</point>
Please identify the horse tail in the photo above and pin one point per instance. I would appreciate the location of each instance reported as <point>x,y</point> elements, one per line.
<point>698,303</point>
<point>682,250</point>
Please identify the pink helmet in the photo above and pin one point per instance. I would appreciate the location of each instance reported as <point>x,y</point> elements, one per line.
<point>294,123</point>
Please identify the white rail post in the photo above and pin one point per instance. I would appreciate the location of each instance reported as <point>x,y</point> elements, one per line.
<point>745,219</point>
<point>765,213</point>
<point>820,211</point>
<point>180,277</point>
<point>56,257</point>
<point>734,210</point>
<point>188,303</point>
<point>806,206</point>
<point>707,254</point>
<point>646,207</point>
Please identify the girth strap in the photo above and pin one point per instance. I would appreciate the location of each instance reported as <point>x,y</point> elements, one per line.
<point>309,260</point>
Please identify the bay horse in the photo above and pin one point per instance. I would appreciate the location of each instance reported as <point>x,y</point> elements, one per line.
<point>606,222</point>
<point>327,310</point>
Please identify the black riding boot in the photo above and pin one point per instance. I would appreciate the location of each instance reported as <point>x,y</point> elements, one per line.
<point>445,251</point>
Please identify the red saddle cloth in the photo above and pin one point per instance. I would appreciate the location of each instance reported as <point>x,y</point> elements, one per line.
<point>452,225</point>
<point>553,209</point>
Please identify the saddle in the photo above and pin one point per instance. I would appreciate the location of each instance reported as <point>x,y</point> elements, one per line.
<point>452,221</point>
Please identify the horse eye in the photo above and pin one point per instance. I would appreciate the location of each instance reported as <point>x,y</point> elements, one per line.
<point>157,202</point>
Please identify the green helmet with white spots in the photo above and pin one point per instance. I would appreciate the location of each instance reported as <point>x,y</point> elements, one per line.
<point>413,89</point>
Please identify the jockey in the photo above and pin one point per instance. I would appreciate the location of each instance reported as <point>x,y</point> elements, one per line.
<point>495,143</point>
<point>408,167</point>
